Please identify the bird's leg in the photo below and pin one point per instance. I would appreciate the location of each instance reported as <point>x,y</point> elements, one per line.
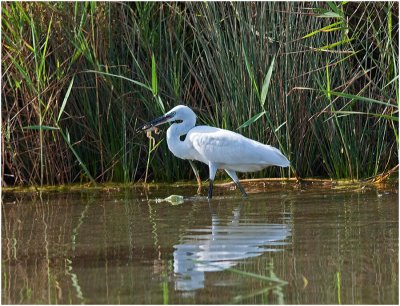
<point>241,188</point>
<point>213,170</point>
<point>210,188</point>
<point>196,173</point>
<point>234,177</point>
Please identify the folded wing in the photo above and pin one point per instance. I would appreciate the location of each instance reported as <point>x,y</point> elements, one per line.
<point>230,150</point>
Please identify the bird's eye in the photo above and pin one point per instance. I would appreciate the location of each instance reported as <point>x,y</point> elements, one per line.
<point>171,114</point>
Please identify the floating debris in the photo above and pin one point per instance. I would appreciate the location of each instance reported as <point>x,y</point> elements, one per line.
<point>174,199</point>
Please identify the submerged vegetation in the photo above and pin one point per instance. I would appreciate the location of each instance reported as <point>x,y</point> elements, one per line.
<point>318,80</point>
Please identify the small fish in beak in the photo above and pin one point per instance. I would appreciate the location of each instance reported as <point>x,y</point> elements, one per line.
<point>152,126</point>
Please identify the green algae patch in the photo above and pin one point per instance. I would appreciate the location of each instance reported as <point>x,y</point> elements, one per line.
<point>263,183</point>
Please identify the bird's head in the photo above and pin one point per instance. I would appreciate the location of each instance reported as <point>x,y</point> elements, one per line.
<point>178,113</point>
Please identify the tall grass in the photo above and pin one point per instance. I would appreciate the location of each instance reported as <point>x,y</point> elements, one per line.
<point>351,111</point>
<point>304,77</point>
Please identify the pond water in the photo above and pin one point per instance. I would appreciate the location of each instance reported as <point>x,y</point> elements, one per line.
<point>284,244</point>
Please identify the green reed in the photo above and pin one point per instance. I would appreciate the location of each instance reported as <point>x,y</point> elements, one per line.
<point>323,87</point>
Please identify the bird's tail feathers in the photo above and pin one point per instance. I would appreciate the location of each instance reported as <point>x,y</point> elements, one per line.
<point>278,158</point>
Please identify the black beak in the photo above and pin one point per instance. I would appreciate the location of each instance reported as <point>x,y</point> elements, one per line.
<point>153,123</point>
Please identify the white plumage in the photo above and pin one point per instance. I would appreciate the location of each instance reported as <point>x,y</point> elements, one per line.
<point>218,148</point>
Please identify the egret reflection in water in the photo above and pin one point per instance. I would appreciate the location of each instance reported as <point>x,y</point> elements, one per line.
<point>222,245</point>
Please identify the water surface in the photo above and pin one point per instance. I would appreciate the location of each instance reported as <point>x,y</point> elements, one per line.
<point>284,244</point>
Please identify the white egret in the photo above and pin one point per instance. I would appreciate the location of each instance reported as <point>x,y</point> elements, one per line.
<point>217,148</point>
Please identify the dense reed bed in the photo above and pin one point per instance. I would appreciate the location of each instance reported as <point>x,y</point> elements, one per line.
<point>318,80</point>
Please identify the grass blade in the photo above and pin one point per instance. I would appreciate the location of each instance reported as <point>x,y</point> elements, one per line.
<point>40,127</point>
<point>388,117</point>
<point>65,99</point>
<point>360,98</point>
<point>123,78</point>
<point>267,80</point>
<point>251,120</point>
<point>251,75</point>
<point>154,86</point>
<point>324,29</point>
<point>330,46</point>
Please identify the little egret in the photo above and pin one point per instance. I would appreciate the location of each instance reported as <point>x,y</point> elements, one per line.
<point>217,148</point>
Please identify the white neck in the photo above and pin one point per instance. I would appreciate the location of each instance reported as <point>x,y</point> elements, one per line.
<point>176,146</point>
